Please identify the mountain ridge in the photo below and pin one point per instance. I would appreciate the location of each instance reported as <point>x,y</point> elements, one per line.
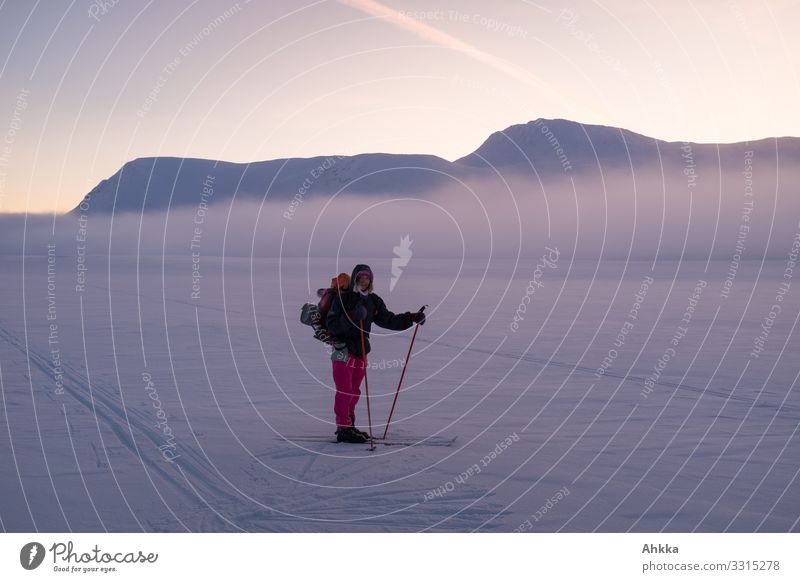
<point>544,147</point>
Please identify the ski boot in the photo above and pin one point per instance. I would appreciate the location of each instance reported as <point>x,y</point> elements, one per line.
<point>347,434</point>
<point>353,426</point>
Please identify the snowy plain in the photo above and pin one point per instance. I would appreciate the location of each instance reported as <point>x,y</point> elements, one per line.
<point>132,405</point>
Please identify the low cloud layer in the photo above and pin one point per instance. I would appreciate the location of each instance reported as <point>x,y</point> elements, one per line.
<point>588,216</point>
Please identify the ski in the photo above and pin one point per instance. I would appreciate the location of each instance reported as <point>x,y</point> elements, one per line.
<point>441,442</point>
<point>434,441</point>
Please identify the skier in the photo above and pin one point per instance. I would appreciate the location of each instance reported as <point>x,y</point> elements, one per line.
<point>349,309</point>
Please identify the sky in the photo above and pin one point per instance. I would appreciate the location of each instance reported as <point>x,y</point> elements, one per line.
<point>87,85</point>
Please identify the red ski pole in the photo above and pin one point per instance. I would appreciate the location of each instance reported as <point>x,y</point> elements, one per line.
<point>403,373</point>
<point>366,385</point>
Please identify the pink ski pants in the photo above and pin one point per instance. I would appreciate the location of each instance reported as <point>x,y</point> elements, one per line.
<point>347,376</point>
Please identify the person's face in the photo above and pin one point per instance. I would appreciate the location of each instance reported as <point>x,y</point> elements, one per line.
<point>363,282</point>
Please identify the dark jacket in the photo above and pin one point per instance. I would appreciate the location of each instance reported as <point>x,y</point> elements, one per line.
<point>342,324</point>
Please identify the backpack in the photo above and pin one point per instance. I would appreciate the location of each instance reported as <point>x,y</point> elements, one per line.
<point>315,314</point>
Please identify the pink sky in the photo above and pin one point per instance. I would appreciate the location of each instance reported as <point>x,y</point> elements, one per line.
<point>83,89</point>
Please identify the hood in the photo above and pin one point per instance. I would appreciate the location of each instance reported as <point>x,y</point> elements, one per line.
<point>356,270</point>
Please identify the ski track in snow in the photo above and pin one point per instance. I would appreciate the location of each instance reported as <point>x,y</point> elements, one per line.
<point>193,478</point>
<point>102,403</point>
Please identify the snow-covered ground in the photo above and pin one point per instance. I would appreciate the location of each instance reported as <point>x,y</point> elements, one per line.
<point>131,405</point>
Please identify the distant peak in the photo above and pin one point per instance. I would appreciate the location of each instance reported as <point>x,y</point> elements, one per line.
<point>543,124</point>
<point>554,141</point>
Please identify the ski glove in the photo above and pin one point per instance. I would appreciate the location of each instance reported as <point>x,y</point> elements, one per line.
<point>418,317</point>
<point>359,313</point>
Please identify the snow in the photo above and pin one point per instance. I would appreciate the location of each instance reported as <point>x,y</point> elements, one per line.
<point>713,447</point>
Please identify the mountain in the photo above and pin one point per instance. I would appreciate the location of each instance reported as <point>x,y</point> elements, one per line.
<point>558,144</point>
<point>561,145</point>
<point>546,148</point>
<point>167,182</point>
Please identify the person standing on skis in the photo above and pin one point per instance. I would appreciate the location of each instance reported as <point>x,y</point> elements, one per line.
<point>350,309</point>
